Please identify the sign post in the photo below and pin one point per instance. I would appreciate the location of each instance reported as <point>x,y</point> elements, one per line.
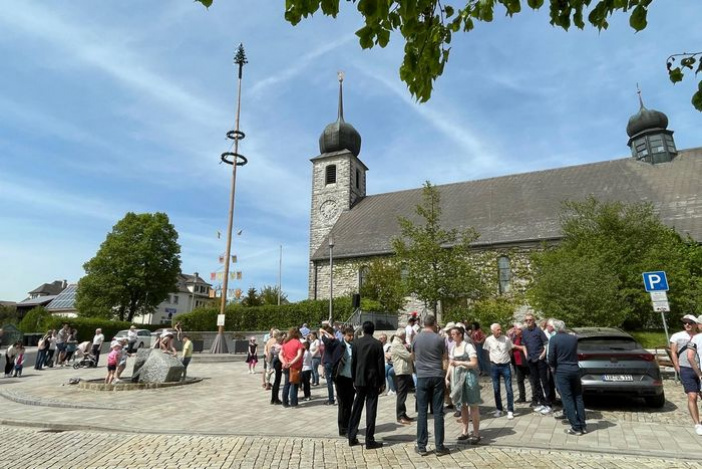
<point>656,283</point>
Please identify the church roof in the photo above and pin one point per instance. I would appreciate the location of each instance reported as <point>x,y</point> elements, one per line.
<point>526,207</point>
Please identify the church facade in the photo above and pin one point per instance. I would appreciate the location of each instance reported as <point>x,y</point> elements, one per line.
<point>514,214</point>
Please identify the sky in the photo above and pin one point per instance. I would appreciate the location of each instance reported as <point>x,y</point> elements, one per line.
<point>124,106</point>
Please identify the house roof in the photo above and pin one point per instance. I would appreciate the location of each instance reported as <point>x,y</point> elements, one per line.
<point>38,301</point>
<point>66,300</point>
<point>526,207</point>
<point>187,279</point>
<point>53,288</point>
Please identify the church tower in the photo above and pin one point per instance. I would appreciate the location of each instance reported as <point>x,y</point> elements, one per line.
<point>338,183</point>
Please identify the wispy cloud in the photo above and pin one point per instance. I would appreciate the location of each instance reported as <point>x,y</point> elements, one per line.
<point>300,64</point>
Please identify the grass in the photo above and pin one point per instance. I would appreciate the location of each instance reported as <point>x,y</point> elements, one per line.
<point>650,339</point>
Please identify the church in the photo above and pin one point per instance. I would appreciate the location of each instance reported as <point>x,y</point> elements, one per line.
<point>513,214</point>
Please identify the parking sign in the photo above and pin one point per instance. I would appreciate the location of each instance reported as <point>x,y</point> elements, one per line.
<point>655,281</point>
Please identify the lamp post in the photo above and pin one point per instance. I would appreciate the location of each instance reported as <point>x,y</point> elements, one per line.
<point>331,277</point>
<point>234,159</point>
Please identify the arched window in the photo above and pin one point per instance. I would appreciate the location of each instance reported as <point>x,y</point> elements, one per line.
<point>362,275</point>
<point>505,274</point>
<point>330,174</point>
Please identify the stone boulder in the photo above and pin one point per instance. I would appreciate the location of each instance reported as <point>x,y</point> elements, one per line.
<point>154,366</point>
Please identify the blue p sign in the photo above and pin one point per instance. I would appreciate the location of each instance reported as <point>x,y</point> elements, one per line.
<point>655,281</point>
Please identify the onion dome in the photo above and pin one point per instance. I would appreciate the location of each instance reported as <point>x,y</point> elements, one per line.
<point>340,135</point>
<point>646,119</point>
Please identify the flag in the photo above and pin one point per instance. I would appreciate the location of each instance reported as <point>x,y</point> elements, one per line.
<point>233,259</point>
<point>238,275</point>
<point>232,276</point>
<point>213,276</point>
<point>237,293</point>
<point>219,235</point>
<point>211,293</point>
<point>221,259</point>
<point>220,275</point>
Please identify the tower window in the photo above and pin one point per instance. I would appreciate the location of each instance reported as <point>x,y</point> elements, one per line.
<point>505,274</point>
<point>330,174</point>
<point>358,179</point>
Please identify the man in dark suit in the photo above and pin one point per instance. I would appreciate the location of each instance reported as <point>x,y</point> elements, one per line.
<point>368,370</point>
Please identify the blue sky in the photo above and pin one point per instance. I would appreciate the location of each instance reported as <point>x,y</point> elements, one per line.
<point>124,106</point>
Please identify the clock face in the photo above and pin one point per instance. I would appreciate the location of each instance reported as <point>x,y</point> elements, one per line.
<point>328,210</point>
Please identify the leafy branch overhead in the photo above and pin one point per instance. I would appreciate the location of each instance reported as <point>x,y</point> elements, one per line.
<point>427,27</point>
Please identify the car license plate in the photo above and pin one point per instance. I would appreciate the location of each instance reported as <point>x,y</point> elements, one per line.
<point>618,378</point>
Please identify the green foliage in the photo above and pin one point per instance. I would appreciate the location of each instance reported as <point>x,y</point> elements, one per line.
<point>8,315</point>
<point>677,73</point>
<point>261,318</point>
<point>437,261</point>
<point>36,320</point>
<point>251,299</point>
<point>382,282</point>
<point>486,311</point>
<point>134,270</point>
<point>269,296</point>
<point>594,276</point>
<point>41,320</point>
<point>650,339</point>
<point>426,27</point>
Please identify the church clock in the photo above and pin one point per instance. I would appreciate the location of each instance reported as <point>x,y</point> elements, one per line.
<point>328,210</point>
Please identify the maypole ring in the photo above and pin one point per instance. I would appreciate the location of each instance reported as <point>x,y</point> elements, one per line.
<point>236,135</point>
<point>230,157</point>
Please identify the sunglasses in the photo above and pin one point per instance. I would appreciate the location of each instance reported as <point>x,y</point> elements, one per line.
<point>688,323</point>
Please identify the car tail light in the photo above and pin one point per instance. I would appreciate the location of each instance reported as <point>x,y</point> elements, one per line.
<point>637,356</point>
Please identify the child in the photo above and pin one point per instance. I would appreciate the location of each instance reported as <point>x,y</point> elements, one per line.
<point>112,360</point>
<point>252,356</point>
<point>306,370</point>
<point>19,362</point>
<point>122,359</point>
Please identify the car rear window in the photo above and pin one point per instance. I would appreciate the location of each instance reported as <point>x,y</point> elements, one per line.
<point>588,344</point>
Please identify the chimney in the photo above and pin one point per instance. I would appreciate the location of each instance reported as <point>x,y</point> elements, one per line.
<point>64,284</point>
<point>196,276</point>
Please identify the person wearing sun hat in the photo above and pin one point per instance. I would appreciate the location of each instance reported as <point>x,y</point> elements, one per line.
<point>680,343</point>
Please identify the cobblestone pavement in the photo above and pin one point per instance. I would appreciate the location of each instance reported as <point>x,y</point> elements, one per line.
<point>227,417</point>
<point>30,449</point>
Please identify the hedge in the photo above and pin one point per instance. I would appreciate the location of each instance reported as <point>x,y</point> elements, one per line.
<point>39,320</point>
<point>262,318</point>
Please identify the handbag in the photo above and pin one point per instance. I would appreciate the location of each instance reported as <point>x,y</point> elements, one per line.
<point>295,375</point>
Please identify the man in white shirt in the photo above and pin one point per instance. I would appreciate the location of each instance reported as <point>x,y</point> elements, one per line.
<point>684,349</point>
<point>500,348</point>
<point>98,339</point>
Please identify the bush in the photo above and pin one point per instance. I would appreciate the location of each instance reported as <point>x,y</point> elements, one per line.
<point>36,320</point>
<point>40,320</point>
<point>261,318</point>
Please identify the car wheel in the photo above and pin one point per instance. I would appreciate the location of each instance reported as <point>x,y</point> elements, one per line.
<point>141,345</point>
<point>656,401</point>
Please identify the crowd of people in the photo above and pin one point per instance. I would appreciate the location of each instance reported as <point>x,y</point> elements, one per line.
<point>443,365</point>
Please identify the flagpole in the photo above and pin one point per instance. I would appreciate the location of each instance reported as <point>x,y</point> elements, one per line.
<point>234,159</point>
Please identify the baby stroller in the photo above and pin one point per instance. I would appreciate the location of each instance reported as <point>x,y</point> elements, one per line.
<point>88,361</point>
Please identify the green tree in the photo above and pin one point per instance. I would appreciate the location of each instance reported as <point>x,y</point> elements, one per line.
<point>8,314</point>
<point>382,282</point>
<point>426,27</point>
<point>594,276</point>
<point>36,320</point>
<point>436,261</point>
<point>251,298</point>
<point>269,296</point>
<point>134,270</point>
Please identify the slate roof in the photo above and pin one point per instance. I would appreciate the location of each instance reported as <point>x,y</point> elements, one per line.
<point>53,288</point>
<point>187,279</point>
<point>526,207</point>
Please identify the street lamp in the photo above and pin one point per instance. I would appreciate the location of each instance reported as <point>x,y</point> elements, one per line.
<point>331,277</point>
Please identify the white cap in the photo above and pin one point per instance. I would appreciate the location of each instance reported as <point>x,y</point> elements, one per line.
<point>449,326</point>
<point>689,317</point>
